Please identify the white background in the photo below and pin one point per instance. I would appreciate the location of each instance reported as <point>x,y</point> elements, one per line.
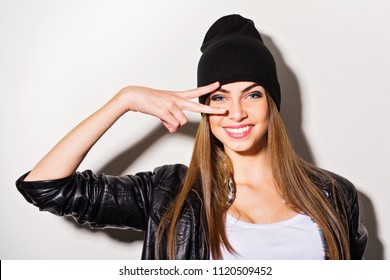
<point>61,60</point>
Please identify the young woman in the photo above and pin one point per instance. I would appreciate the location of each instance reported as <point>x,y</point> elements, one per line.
<point>245,195</point>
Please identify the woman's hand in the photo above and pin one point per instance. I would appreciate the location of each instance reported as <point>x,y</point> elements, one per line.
<point>168,106</point>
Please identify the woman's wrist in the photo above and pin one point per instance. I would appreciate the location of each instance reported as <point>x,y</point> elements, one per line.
<point>121,102</point>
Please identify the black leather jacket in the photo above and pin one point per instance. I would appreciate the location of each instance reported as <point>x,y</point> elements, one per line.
<point>138,201</point>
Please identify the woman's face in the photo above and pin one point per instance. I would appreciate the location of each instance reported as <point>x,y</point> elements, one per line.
<point>244,127</point>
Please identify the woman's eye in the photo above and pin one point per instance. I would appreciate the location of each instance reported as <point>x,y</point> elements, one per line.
<point>217,98</point>
<point>255,95</point>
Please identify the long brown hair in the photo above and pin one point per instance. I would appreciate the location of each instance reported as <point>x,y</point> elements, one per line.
<point>207,177</point>
<point>298,181</point>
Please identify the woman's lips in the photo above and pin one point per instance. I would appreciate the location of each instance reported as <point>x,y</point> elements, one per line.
<point>238,132</point>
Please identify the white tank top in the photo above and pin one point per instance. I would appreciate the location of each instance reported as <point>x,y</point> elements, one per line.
<point>297,238</point>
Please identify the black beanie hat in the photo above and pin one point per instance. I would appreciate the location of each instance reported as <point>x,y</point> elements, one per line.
<point>233,51</point>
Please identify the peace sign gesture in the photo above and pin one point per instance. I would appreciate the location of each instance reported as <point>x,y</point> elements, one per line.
<point>168,106</point>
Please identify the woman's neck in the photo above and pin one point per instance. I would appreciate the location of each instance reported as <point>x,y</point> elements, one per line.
<point>254,170</point>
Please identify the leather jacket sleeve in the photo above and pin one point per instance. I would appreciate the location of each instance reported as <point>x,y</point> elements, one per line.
<point>99,201</point>
<point>342,194</point>
<point>358,235</point>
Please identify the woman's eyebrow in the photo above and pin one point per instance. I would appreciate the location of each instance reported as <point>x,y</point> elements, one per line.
<point>244,90</point>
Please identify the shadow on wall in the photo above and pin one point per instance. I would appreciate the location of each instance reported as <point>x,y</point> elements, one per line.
<point>291,111</point>
<point>374,249</point>
<point>291,105</point>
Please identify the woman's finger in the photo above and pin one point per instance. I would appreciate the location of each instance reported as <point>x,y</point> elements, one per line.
<point>199,108</point>
<point>172,116</point>
<point>179,115</point>
<point>168,126</point>
<point>196,92</point>
<point>168,118</point>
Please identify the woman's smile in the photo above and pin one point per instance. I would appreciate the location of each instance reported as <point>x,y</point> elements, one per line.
<point>238,131</point>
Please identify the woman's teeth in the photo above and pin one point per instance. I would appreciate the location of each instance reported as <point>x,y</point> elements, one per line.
<point>238,130</point>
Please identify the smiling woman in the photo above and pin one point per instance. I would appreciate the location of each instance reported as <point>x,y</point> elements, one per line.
<point>245,195</point>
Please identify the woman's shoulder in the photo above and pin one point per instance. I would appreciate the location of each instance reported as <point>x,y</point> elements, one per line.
<point>170,174</point>
<point>331,182</point>
<point>168,170</point>
<point>168,178</point>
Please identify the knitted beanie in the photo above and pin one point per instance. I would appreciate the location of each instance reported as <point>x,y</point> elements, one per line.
<point>233,51</point>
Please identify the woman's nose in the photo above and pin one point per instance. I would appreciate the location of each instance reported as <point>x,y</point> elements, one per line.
<point>236,111</point>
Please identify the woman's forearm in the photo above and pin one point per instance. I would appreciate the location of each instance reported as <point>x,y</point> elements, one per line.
<point>64,158</point>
